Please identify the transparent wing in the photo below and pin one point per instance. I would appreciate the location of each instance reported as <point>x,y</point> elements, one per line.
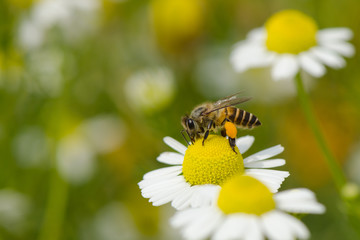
<point>229,101</point>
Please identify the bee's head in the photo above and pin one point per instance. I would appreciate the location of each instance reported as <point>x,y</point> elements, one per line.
<point>189,125</point>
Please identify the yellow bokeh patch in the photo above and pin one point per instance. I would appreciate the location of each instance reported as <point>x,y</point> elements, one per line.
<point>290,31</point>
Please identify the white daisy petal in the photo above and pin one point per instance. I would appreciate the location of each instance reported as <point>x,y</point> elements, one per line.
<point>182,201</point>
<point>253,231</point>
<point>161,199</point>
<point>174,144</point>
<point>264,154</point>
<point>271,178</point>
<point>161,185</point>
<point>344,48</point>
<point>266,163</point>
<point>182,218</point>
<point>197,223</point>
<point>294,194</point>
<point>160,173</point>
<point>233,227</point>
<point>244,143</point>
<point>257,34</point>
<point>285,67</point>
<point>274,226</point>
<point>171,158</point>
<point>311,65</point>
<point>278,225</point>
<point>204,194</point>
<point>299,201</point>
<point>249,55</point>
<point>334,34</point>
<point>328,57</point>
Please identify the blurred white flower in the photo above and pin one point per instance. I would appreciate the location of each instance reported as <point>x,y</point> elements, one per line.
<point>105,133</point>
<point>150,90</point>
<point>72,17</point>
<point>14,210</point>
<point>45,71</point>
<point>112,222</point>
<point>31,147</point>
<point>290,42</point>
<point>75,158</point>
<point>214,75</point>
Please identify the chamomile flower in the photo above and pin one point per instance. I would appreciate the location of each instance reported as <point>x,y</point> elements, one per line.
<point>289,42</point>
<point>199,171</point>
<point>246,209</point>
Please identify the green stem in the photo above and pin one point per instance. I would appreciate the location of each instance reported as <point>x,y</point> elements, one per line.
<point>55,209</point>
<point>334,167</point>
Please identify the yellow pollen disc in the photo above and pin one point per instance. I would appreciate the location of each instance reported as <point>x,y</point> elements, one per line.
<point>245,194</point>
<point>290,31</point>
<point>212,163</point>
<point>231,130</point>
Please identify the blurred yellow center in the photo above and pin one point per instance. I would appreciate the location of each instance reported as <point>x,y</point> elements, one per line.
<point>245,194</point>
<point>212,163</point>
<point>290,31</point>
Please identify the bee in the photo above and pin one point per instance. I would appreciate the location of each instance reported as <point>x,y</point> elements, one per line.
<point>209,116</point>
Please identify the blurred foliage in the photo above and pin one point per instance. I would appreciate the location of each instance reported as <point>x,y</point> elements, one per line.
<point>61,69</point>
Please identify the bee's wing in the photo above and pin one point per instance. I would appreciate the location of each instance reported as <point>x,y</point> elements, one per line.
<point>227,102</point>
<point>227,99</point>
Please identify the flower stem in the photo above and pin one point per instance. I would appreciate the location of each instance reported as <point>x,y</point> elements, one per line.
<point>55,209</point>
<point>334,167</point>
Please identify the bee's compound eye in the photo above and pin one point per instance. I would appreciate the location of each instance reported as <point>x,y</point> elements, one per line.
<point>190,123</point>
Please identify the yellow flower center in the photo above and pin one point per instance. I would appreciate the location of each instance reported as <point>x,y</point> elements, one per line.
<point>245,194</point>
<point>290,31</point>
<point>212,163</point>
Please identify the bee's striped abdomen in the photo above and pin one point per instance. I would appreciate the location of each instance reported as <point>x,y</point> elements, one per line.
<point>242,118</point>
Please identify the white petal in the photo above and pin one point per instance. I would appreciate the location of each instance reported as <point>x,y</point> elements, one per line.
<point>165,197</point>
<point>253,231</point>
<point>257,34</point>
<point>334,34</point>
<point>233,227</point>
<point>278,225</point>
<point>160,173</point>
<point>204,195</point>
<point>344,48</point>
<point>197,223</point>
<point>177,146</point>
<point>285,67</point>
<point>265,163</point>
<point>328,57</point>
<point>302,207</point>
<point>204,226</point>
<point>182,218</point>
<point>298,201</point>
<point>264,154</point>
<point>295,194</point>
<point>171,158</point>
<point>274,227</point>
<point>244,143</point>
<point>270,178</point>
<point>182,201</point>
<point>161,185</point>
<point>311,65</point>
<point>248,54</point>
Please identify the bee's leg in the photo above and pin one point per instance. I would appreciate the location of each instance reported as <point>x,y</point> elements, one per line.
<point>207,131</point>
<point>223,132</point>
<point>232,143</point>
<point>182,133</point>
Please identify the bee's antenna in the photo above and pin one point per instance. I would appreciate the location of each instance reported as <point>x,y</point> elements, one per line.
<point>182,133</point>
